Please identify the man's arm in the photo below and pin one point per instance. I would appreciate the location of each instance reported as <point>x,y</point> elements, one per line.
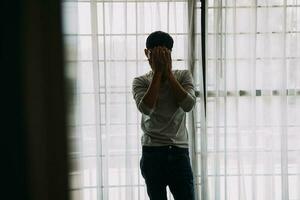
<point>185,93</point>
<point>178,90</point>
<point>159,66</point>
<point>151,95</point>
<point>146,98</point>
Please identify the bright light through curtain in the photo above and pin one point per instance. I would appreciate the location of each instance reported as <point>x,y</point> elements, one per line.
<point>105,43</point>
<point>253,133</point>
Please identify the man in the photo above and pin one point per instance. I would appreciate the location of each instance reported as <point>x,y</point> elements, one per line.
<point>163,96</point>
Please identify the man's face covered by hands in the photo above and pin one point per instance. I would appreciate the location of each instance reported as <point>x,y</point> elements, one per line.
<point>159,59</point>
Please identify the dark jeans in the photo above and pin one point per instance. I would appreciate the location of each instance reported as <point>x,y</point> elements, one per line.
<point>167,166</point>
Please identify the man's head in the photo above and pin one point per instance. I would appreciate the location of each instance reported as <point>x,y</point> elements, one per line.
<point>158,38</point>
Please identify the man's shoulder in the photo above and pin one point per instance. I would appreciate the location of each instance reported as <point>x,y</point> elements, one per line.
<point>148,76</point>
<point>180,71</point>
<point>181,75</point>
<point>143,77</point>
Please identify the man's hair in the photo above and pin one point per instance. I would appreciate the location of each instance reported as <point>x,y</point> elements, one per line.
<point>159,38</point>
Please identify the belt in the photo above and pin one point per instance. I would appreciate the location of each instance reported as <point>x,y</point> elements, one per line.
<point>167,148</point>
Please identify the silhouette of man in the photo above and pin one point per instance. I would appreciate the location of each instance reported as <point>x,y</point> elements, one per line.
<point>163,96</point>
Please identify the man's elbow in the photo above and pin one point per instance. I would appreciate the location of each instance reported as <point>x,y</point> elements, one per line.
<point>144,109</point>
<point>188,103</point>
<point>188,107</point>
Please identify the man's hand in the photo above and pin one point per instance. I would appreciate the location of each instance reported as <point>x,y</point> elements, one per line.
<point>161,60</point>
<point>167,61</point>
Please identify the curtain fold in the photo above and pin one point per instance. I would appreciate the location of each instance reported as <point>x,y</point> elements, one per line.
<point>105,42</point>
<point>251,128</point>
<point>246,147</point>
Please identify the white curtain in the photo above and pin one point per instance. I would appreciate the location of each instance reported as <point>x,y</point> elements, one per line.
<point>248,146</point>
<point>105,43</point>
<point>252,133</point>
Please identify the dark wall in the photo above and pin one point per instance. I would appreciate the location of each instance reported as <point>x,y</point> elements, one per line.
<point>33,131</point>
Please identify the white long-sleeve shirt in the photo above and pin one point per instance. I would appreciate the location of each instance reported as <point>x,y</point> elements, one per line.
<point>165,124</point>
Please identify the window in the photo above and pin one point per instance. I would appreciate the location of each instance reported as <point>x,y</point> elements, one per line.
<point>248,145</point>
<point>105,43</point>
